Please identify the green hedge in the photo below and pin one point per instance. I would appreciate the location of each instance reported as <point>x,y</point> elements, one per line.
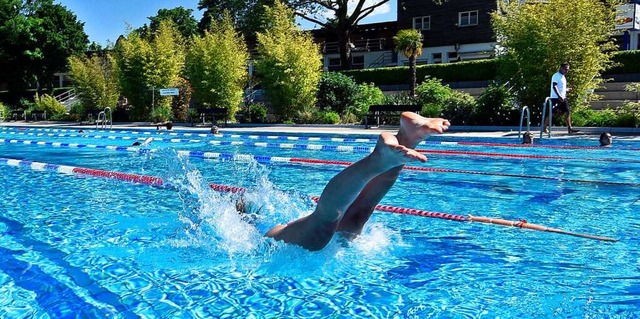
<point>627,62</point>
<point>481,70</point>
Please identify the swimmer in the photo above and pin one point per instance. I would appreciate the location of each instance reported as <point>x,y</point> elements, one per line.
<point>145,143</point>
<point>350,197</point>
<point>215,130</point>
<point>527,138</point>
<point>606,139</point>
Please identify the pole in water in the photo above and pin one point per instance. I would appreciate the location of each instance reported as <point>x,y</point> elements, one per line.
<point>525,224</point>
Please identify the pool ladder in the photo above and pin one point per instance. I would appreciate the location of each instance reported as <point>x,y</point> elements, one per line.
<point>102,118</point>
<point>524,111</point>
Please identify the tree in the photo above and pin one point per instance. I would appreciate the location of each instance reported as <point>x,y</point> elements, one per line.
<point>535,38</point>
<point>216,66</point>
<point>290,64</point>
<point>183,19</point>
<point>409,43</point>
<point>146,65</point>
<point>94,82</point>
<point>246,15</point>
<point>36,38</point>
<point>343,18</point>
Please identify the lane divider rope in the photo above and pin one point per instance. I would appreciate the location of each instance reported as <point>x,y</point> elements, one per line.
<point>157,181</point>
<point>264,159</point>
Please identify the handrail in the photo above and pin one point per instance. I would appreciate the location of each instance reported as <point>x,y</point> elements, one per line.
<point>66,95</point>
<point>546,105</point>
<point>102,118</point>
<point>522,113</point>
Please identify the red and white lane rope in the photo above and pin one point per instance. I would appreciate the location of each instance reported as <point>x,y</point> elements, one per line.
<point>156,181</point>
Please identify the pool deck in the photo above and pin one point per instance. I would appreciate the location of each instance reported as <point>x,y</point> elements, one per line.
<point>466,131</point>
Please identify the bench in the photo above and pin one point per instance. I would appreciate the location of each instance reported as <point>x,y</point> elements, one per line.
<point>377,111</point>
<point>214,112</point>
<point>35,115</point>
<point>17,114</point>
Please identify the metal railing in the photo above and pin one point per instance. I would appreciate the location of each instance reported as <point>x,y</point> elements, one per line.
<point>524,111</point>
<point>102,118</point>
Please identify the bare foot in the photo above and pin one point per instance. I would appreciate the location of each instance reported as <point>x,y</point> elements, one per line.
<point>394,153</point>
<point>414,128</point>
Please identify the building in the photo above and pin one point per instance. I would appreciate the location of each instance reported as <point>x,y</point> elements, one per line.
<point>456,30</point>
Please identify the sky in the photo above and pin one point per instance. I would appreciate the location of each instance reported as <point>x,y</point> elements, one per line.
<point>105,20</point>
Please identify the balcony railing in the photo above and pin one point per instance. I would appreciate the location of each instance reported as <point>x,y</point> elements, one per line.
<point>374,44</point>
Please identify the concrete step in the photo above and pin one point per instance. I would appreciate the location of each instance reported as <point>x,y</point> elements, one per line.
<point>614,86</point>
<point>618,95</point>
<point>605,104</point>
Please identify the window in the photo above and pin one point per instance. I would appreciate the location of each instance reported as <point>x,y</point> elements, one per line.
<point>334,62</point>
<point>467,18</point>
<point>436,57</point>
<point>422,23</point>
<point>357,61</point>
<point>453,57</point>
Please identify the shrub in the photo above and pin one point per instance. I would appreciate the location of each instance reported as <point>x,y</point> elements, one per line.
<point>432,95</point>
<point>326,117</point>
<point>257,113</point>
<point>459,108</point>
<point>50,105</point>
<point>336,92</point>
<point>368,94</point>
<point>495,106</point>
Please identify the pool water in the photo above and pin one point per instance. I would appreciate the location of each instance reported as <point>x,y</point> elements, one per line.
<point>75,245</point>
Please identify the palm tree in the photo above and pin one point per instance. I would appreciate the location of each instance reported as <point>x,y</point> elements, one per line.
<point>409,43</point>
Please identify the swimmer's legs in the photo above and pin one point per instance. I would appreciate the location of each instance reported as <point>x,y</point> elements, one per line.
<point>313,232</point>
<point>413,129</point>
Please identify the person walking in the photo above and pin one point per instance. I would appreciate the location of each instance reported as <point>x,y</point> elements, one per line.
<point>558,97</point>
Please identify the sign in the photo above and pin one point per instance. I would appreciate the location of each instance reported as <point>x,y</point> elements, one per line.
<point>171,91</point>
<point>628,16</point>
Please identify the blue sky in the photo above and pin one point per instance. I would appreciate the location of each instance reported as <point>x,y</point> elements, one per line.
<point>105,20</point>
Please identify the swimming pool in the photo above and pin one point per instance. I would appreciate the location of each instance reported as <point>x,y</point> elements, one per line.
<point>83,245</point>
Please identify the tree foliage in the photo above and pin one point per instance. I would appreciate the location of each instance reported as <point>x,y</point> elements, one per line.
<point>94,81</point>
<point>183,19</point>
<point>537,37</point>
<point>36,38</point>
<point>290,64</point>
<point>340,17</point>
<point>146,65</point>
<point>246,15</point>
<point>216,66</point>
<point>409,43</point>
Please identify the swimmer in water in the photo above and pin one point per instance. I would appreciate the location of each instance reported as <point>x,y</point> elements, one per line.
<point>350,197</point>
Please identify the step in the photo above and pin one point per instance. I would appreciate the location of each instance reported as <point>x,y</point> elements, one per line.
<point>613,86</point>
<point>604,104</point>
<point>618,95</point>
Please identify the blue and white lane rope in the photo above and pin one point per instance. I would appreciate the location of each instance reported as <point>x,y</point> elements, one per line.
<point>263,159</point>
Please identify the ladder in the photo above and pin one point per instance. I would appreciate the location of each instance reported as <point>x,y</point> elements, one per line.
<point>102,118</point>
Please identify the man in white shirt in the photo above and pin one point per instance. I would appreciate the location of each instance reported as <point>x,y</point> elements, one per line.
<point>558,97</point>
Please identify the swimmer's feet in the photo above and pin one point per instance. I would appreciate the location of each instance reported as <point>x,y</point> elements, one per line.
<point>392,153</point>
<point>414,128</point>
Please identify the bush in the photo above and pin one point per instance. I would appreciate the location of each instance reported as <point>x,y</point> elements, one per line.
<point>590,117</point>
<point>459,108</point>
<point>49,104</point>
<point>4,111</point>
<point>257,113</point>
<point>495,106</point>
<point>432,95</point>
<point>326,117</point>
<point>336,92</point>
<point>368,94</point>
